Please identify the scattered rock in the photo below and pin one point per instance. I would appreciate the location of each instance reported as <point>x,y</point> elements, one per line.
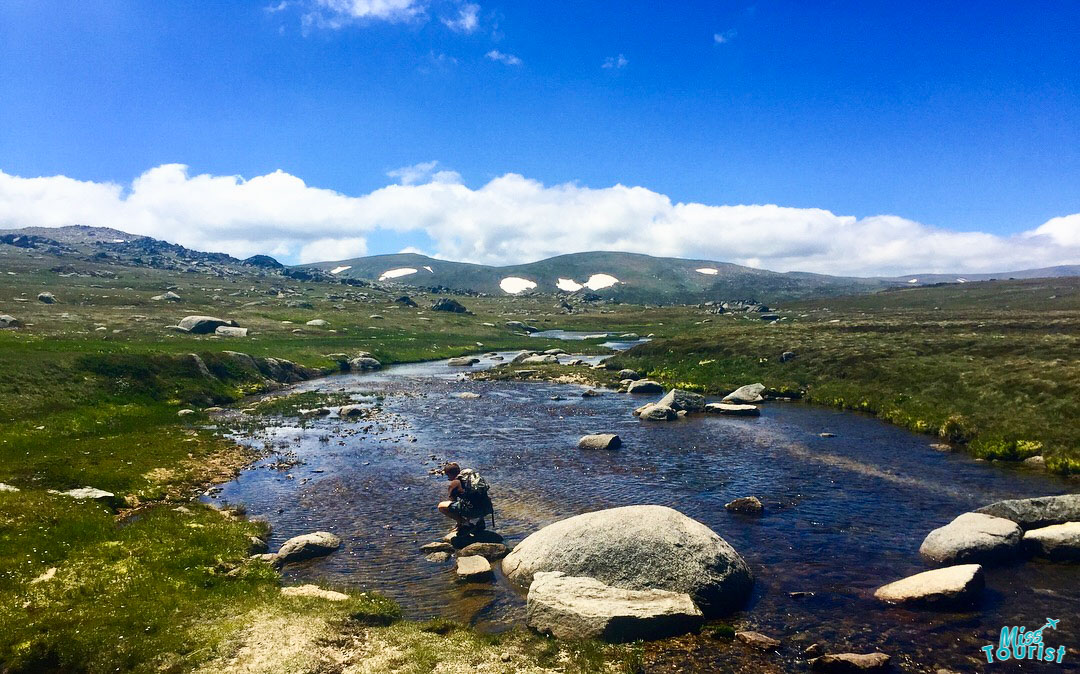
<point>554,352</point>
<point>539,360</point>
<point>466,395</point>
<point>644,386</point>
<point>8,488</point>
<point>447,304</point>
<point>632,375</point>
<point>848,663</point>
<point>758,640</point>
<point>733,409</point>
<point>437,546</point>
<point>1059,542</point>
<point>600,441</point>
<point>8,321</point>
<point>203,325</point>
<point>681,400</point>
<point>747,505</point>
<point>407,301</point>
<point>463,361</point>
<point>1041,511</point>
<point>45,577</point>
<point>364,364</point>
<point>786,356</point>
<point>654,412</point>
<point>473,568</point>
<point>230,331</point>
<point>959,585</point>
<point>579,607</point>
<point>46,298</point>
<point>972,538</point>
<point>169,296</point>
<point>257,546</point>
<point>813,651</point>
<point>640,547</point>
<point>940,447</point>
<point>299,548</point>
<point>313,591</point>
<point>317,323</point>
<point>591,393</point>
<point>518,325</point>
<point>437,557</point>
<point>346,411</point>
<point>489,551</point>
<point>185,413</point>
<point>751,393</point>
<point>826,434</point>
<point>1037,461</point>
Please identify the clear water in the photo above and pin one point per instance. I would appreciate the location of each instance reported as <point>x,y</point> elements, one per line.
<point>843,514</point>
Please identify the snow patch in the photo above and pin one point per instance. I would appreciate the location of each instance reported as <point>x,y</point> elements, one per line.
<point>711,271</point>
<point>338,270</point>
<point>600,281</point>
<point>429,269</point>
<point>913,280</point>
<point>395,273</point>
<point>514,284</point>
<point>961,279</point>
<point>569,285</point>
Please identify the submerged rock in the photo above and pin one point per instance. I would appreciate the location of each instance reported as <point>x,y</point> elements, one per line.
<point>951,586</point>
<point>307,546</point>
<point>733,409</point>
<point>751,393</point>
<point>758,640</point>
<point>972,537</point>
<point>1059,542</point>
<point>847,663</point>
<point>579,607</point>
<point>600,441</point>
<point>641,547</point>
<point>1032,513</point>
<point>747,505</point>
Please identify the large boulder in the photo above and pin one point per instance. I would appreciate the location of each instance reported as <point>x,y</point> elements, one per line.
<point>951,586</point>
<point>751,393</point>
<point>578,607</point>
<point>732,409</point>
<point>203,325</point>
<point>1042,511</point>
<point>307,546</point>
<point>600,441</point>
<point>972,538</point>
<point>1060,542</point>
<point>447,304</point>
<point>679,399</point>
<point>363,364</point>
<point>642,547</point>
<point>644,386</point>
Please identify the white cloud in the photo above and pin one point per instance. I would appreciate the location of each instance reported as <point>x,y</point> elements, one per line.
<point>508,59</point>
<point>276,7</point>
<point>615,62</point>
<point>467,20</point>
<point>513,219</point>
<point>725,37</point>
<point>334,14</point>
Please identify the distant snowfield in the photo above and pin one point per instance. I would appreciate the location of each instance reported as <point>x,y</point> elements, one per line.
<point>515,284</point>
<point>396,273</point>
<point>429,269</point>
<point>600,281</point>
<point>338,270</point>
<point>711,271</point>
<point>569,285</point>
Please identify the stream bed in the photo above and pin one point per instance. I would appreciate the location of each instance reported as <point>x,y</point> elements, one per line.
<point>843,515</point>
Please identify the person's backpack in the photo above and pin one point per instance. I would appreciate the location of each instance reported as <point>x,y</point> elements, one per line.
<point>476,492</point>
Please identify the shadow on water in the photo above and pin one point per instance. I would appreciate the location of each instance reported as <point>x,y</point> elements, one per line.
<point>844,514</point>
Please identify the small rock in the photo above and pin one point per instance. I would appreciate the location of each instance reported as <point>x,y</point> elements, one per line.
<point>632,375</point>
<point>748,505</point>
<point>751,393</point>
<point>466,395</point>
<point>1059,542</point>
<point>787,356</point>
<point>590,393</point>
<point>600,441</point>
<point>1041,511</point>
<point>846,663</point>
<point>972,538</point>
<point>1036,461</point>
<point>733,410</point>
<point>813,651</point>
<point>45,577</point>
<point>317,323</point>
<point>437,546</point>
<point>644,386</point>
<point>203,325</point>
<point>347,411</point>
<point>46,298</point>
<point>230,331</point>
<point>683,401</point>
<point>940,447</point>
<point>257,546</point>
<point>185,413</point>
<point>951,586</point>
<point>758,640</point>
<point>489,551</point>
<point>363,363</point>
<point>447,304</point>
<point>7,487</point>
<point>299,548</point>
<point>313,591</point>
<point>7,321</point>
<point>473,568</point>
<point>437,557</point>
<point>654,412</point>
<point>826,435</point>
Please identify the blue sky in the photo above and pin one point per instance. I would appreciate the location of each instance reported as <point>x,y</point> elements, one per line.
<point>957,117</point>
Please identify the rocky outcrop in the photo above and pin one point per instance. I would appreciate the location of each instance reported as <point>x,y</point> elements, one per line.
<point>447,304</point>
<point>600,441</point>
<point>850,663</point>
<point>732,409</point>
<point>687,401</point>
<point>644,386</point>
<point>751,393</point>
<point>1033,513</point>
<point>203,325</point>
<point>643,547</point>
<point>972,538</point>
<point>578,607</point>
<point>473,568</point>
<point>1059,542</point>
<point>307,546</point>
<point>951,586</point>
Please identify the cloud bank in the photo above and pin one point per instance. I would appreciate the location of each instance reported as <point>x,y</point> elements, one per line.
<point>514,219</point>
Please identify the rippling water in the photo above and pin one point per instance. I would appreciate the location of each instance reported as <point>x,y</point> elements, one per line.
<point>843,514</point>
